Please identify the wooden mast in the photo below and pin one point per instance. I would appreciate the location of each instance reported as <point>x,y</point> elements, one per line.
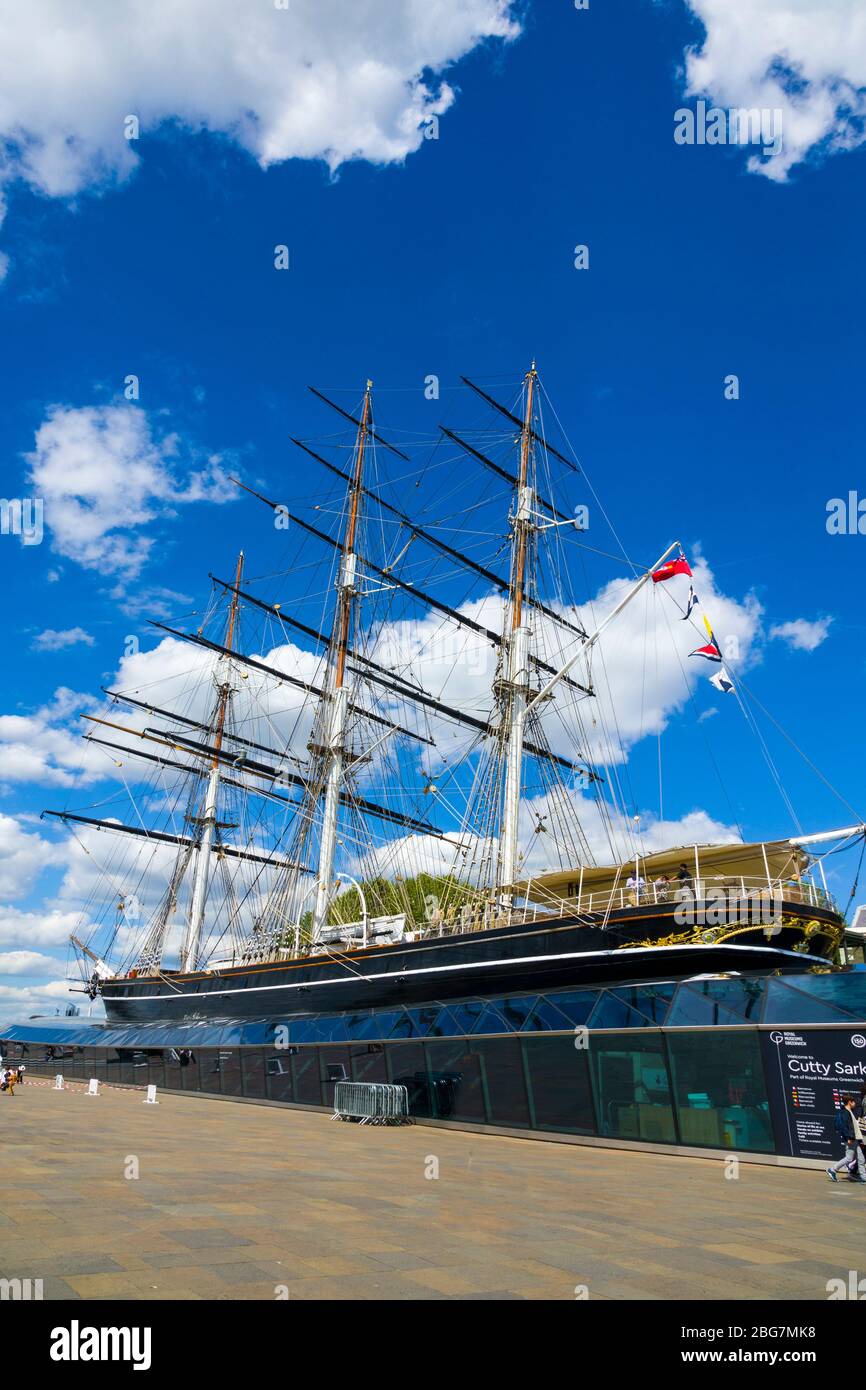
<point>335,707</point>
<point>225,689</point>
<point>515,686</point>
<point>522,526</point>
<point>346,594</point>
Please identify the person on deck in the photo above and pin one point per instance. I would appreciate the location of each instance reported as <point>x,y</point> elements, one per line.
<point>662,886</point>
<point>635,886</point>
<point>849,1128</point>
<point>686,881</point>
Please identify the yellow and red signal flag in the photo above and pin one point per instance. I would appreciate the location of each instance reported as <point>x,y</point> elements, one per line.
<point>711,650</point>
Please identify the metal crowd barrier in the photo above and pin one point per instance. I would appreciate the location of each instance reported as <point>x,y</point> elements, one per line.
<point>371,1102</point>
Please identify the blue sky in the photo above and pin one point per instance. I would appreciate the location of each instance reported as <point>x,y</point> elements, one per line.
<point>456,259</point>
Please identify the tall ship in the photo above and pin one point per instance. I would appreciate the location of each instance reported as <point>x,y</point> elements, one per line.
<point>406,782</point>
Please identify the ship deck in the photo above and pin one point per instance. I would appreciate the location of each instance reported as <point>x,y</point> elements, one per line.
<point>237,1202</point>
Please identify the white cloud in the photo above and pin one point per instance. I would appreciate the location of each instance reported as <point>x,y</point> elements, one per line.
<point>46,747</point>
<point>153,601</point>
<point>802,635</point>
<point>18,1003</point>
<point>26,963</point>
<point>325,80</point>
<point>103,473</point>
<point>806,58</point>
<point>57,989</point>
<point>49,927</point>
<point>646,836</point>
<point>23,856</point>
<point>52,640</point>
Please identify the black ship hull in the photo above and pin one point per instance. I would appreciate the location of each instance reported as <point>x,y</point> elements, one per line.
<point>633,944</point>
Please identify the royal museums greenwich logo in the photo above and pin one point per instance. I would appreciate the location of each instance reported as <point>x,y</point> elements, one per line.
<point>794,1040</point>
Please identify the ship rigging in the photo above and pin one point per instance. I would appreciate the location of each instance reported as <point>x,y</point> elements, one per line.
<point>439,752</point>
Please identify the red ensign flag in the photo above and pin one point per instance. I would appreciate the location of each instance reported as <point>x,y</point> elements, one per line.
<point>680,566</point>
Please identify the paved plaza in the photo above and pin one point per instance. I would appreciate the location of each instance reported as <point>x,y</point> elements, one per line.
<point>245,1201</point>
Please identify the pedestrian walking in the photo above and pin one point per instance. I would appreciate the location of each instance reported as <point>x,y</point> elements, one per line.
<point>849,1127</point>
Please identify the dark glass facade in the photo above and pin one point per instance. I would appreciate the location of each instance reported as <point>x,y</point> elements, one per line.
<point>702,1089</point>
<point>675,1063</point>
<point>835,997</point>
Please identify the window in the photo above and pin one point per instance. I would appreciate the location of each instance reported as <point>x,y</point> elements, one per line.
<point>560,1095</point>
<point>491,1021</point>
<point>253,1072</point>
<point>172,1068</point>
<point>155,1069</point>
<point>613,1012</point>
<point>695,1006</point>
<point>466,1015</point>
<point>278,1075</point>
<point>653,1001</point>
<point>801,1003</point>
<point>723,1001</point>
<point>516,1009</point>
<point>503,1081</point>
<point>189,1068</point>
<point>632,1089</point>
<point>95,1063</point>
<point>576,1005</point>
<point>305,1074</point>
<point>845,992</point>
<point>546,1017</point>
<point>209,1063</point>
<point>407,1066</point>
<point>368,1063</point>
<point>230,1071</point>
<point>336,1064</point>
<point>456,1081</point>
<point>718,1085</point>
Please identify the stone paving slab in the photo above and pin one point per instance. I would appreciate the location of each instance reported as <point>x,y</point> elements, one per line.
<point>246,1202</point>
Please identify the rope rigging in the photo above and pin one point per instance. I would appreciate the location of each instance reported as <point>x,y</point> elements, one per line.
<point>385,698</point>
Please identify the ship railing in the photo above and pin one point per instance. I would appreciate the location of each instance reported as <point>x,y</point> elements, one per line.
<point>737,890</point>
<point>371,1102</point>
<point>703,889</point>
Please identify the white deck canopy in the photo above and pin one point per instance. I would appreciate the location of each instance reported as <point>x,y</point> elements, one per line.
<point>763,864</point>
